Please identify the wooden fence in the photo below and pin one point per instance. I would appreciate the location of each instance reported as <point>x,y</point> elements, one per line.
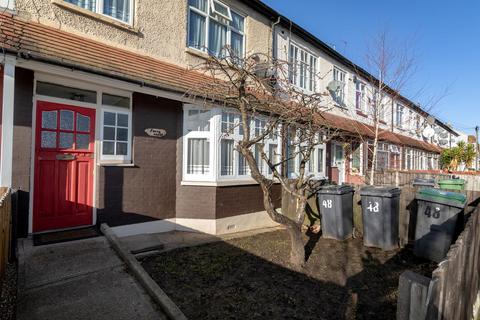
<point>5,228</point>
<point>455,283</point>
<point>405,178</point>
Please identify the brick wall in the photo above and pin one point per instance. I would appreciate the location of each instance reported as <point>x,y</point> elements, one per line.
<point>146,191</point>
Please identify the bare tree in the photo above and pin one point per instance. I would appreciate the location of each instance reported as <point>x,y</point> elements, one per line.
<point>258,87</point>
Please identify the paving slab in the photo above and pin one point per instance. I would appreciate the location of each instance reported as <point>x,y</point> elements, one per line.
<point>79,280</point>
<point>45,264</point>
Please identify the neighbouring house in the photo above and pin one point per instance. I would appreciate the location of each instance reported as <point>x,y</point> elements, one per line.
<point>95,125</point>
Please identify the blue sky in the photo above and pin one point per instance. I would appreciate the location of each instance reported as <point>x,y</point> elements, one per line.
<point>445,36</point>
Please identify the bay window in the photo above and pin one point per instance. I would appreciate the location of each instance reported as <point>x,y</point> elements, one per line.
<point>212,26</point>
<point>210,140</point>
<point>121,10</point>
<point>302,68</point>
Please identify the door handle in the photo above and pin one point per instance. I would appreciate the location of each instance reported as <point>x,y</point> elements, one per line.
<point>66,156</point>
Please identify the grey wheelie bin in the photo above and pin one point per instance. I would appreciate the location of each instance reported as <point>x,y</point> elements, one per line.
<point>380,211</point>
<point>437,218</point>
<point>335,203</point>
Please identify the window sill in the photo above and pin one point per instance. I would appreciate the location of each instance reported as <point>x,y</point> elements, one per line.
<point>383,122</point>
<point>97,16</point>
<point>113,164</point>
<point>197,53</point>
<point>360,113</point>
<point>224,183</point>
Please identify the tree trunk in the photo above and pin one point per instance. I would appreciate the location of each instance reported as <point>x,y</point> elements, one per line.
<point>297,250</point>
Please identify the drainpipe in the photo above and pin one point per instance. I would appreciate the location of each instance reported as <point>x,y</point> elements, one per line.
<point>274,42</point>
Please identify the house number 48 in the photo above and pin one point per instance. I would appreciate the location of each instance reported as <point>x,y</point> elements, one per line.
<point>327,204</point>
<point>373,207</point>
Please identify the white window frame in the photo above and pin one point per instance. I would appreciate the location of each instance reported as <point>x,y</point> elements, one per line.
<point>295,61</point>
<point>399,115</point>
<point>208,16</point>
<point>214,11</point>
<point>337,75</point>
<point>215,136</point>
<point>99,10</point>
<point>209,135</point>
<point>360,172</point>
<point>316,174</point>
<point>361,87</point>
<point>116,158</point>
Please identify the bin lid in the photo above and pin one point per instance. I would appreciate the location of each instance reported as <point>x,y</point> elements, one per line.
<point>452,181</point>
<point>454,199</point>
<point>380,191</point>
<point>335,189</point>
<point>423,180</point>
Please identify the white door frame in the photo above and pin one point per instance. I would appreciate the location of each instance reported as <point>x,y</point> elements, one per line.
<point>98,126</point>
<point>335,163</point>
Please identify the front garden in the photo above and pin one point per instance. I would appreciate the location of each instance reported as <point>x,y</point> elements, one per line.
<point>251,278</point>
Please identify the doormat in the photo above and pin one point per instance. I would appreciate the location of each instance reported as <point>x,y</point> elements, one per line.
<point>65,236</point>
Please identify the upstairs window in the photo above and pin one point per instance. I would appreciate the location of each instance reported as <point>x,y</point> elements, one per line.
<point>213,25</point>
<point>399,116</point>
<point>117,9</point>
<point>360,97</point>
<point>302,68</point>
<point>339,77</point>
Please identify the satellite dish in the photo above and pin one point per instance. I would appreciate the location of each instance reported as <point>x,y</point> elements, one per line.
<point>428,132</point>
<point>335,85</point>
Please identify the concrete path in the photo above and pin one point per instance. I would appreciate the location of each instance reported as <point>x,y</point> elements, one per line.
<point>79,280</point>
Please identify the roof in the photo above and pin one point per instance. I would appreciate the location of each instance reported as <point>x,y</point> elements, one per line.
<point>275,16</point>
<point>43,43</point>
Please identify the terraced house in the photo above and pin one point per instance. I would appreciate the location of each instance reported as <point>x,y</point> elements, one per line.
<point>96,127</point>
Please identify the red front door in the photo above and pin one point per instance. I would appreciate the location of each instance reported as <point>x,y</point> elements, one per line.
<point>64,149</point>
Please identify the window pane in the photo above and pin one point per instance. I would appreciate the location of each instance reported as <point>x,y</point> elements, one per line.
<point>49,119</point>
<point>66,140</point>
<point>198,120</point>
<point>55,90</point>
<point>220,8</point>
<point>86,4</point>
<point>320,160</point>
<point>217,38</point>
<point>199,4</point>
<point>82,142</point>
<point>115,101</point>
<point>243,168</point>
<point>66,120</point>
<point>122,120</point>
<point>118,9</point>
<point>237,21</point>
<point>196,31</point>
<point>226,157</point>
<point>108,133</point>
<point>198,156</point>
<point>311,162</point>
<point>122,134</point>
<point>108,148</point>
<point>272,155</point>
<point>237,44</point>
<point>122,149</point>
<point>49,139</point>
<point>109,118</point>
<point>83,123</point>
